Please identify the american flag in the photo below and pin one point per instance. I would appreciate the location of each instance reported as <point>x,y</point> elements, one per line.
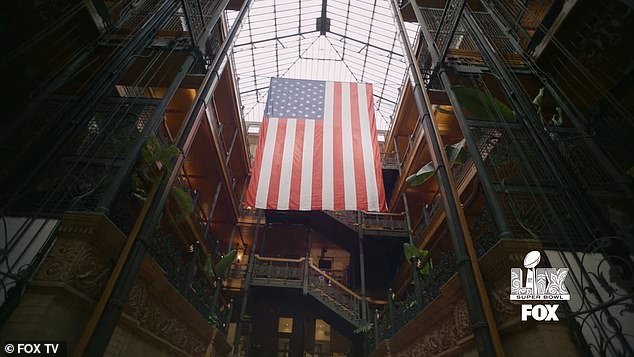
<point>317,149</point>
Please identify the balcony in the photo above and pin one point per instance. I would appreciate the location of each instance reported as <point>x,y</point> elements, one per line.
<point>163,306</point>
<point>438,322</point>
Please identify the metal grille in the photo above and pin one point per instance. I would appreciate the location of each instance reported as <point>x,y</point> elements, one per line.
<point>583,163</point>
<point>136,17</point>
<point>462,45</point>
<point>501,151</point>
<point>79,177</point>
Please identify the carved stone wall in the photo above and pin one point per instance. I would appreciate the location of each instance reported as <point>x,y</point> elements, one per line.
<point>152,315</point>
<point>57,304</point>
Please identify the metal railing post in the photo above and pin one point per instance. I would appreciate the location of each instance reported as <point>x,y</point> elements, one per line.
<point>376,328</point>
<point>364,306</point>
<point>216,296</point>
<point>229,313</point>
<point>390,310</point>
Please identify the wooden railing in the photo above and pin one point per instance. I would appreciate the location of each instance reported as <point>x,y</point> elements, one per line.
<point>320,273</point>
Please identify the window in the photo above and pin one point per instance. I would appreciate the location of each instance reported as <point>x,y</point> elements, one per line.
<point>285,325</point>
<point>322,336</point>
<point>283,347</point>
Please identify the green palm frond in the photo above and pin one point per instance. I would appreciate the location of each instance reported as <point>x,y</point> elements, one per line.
<point>480,106</point>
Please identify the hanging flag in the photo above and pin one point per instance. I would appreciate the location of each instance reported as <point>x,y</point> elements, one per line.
<point>318,149</point>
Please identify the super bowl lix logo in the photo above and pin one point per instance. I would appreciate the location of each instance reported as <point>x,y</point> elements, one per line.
<point>538,284</point>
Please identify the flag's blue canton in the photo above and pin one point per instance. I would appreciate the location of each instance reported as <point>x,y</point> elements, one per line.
<point>296,98</point>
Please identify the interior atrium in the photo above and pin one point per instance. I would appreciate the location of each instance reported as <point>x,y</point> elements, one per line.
<point>485,206</point>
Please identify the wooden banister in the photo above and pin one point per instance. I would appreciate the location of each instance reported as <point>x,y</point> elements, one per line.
<point>377,302</point>
<point>384,214</point>
<point>286,260</point>
<point>333,280</point>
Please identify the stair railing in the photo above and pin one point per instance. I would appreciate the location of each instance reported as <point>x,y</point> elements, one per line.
<point>315,281</point>
<point>337,295</point>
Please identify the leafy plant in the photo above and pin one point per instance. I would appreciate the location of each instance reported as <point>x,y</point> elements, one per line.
<point>222,266</point>
<point>214,320</point>
<point>156,151</point>
<point>411,252</point>
<point>184,202</point>
<point>456,154</point>
<point>421,176</point>
<point>479,105</point>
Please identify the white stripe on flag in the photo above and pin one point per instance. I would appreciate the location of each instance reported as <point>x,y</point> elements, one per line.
<point>346,148</point>
<point>267,163</point>
<point>327,182</point>
<point>305,194</point>
<point>368,152</point>
<point>287,165</point>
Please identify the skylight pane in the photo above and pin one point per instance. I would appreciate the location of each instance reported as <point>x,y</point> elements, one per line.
<point>280,38</point>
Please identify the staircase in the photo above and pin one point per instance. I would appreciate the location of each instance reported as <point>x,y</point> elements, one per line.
<point>302,274</point>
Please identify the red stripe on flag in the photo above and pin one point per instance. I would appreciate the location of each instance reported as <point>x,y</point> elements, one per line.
<point>257,164</point>
<point>337,151</point>
<point>375,148</point>
<point>318,154</point>
<point>276,169</point>
<point>357,149</point>
<point>296,174</point>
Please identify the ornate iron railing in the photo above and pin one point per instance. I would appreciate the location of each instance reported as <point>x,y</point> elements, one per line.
<point>371,221</point>
<point>334,294</point>
<point>279,269</point>
<point>400,311</point>
<point>390,161</point>
<point>298,273</point>
<point>183,269</point>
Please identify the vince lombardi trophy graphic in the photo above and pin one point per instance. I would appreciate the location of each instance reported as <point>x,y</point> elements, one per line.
<point>530,262</point>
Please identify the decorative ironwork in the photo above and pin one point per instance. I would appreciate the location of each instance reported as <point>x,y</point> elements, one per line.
<point>398,314</point>
<point>601,298</point>
<point>182,271</point>
<point>371,221</point>
<point>278,269</point>
<point>334,295</point>
<point>484,232</point>
<point>576,152</point>
<point>297,273</point>
<point>390,161</point>
<point>439,25</point>
<point>78,179</point>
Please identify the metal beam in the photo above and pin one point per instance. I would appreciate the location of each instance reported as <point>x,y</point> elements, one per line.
<point>247,281</point>
<point>364,302</point>
<point>324,27</point>
<point>212,210</point>
<point>454,26</point>
<point>482,320</point>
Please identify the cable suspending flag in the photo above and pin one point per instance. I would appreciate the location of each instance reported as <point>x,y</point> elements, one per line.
<point>317,149</point>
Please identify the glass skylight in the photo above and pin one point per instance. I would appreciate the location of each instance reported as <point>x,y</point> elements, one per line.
<point>281,38</point>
